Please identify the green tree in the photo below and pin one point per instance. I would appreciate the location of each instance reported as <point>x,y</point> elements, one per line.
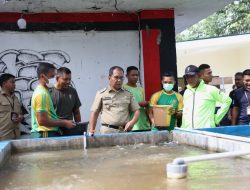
<point>232,20</point>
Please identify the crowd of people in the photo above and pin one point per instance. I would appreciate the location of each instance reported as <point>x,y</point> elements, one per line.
<point>55,105</point>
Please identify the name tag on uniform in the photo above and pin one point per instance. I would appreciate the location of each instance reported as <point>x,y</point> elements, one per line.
<point>106,98</point>
<point>248,110</point>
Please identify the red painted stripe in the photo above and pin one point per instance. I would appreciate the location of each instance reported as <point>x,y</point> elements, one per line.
<point>8,17</point>
<point>151,60</point>
<point>157,14</point>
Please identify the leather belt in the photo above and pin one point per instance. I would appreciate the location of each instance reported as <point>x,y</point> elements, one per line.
<point>113,126</point>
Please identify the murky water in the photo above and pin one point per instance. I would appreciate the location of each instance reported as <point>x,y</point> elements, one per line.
<point>139,167</point>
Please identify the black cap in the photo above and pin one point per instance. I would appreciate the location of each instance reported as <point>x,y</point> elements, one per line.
<point>191,70</point>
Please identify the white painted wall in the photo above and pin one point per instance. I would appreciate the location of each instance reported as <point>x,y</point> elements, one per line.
<point>226,55</point>
<point>91,55</point>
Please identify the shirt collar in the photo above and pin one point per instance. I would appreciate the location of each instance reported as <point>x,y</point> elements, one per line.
<point>4,93</point>
<point>246,89</point>
<point>112,90</point>
<point>201,83</point>
<point>164,92</point>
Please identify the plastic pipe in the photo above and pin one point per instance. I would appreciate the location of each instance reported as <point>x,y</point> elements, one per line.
<point>84,140</point>
<point>178,168</point>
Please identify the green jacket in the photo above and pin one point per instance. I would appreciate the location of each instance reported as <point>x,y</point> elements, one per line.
<point>199,106</point>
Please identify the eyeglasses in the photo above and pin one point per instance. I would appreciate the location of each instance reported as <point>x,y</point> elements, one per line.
<point>118,78</point>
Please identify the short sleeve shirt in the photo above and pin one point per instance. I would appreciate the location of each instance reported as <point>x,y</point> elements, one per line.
<point>41,102</point>
<point>8,104</point>
<point>241,100</point>
<point>156,96</point>
<point>115,106</point>
<point>65,102</point>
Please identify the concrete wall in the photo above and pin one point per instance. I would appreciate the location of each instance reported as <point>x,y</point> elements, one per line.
<point>89,55</point>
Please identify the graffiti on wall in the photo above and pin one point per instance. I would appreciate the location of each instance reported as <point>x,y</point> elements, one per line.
<point>23,64</point>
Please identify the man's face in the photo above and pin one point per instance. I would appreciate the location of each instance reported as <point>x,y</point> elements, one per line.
<point>133,76</point>
<point>51,74</point>
<point>10,85</point>
<point>206,75</point>
<point>238,80</point>
<point>63,80</point>
<point>246,81</point>
<point>168,80</point>
<point>116,79</point>
<point>192,80</point>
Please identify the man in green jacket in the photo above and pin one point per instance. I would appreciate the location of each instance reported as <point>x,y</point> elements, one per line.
<point>200,101</point>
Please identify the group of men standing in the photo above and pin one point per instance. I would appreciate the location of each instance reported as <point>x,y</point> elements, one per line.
<point>197,108</point>
<point>55,111</point>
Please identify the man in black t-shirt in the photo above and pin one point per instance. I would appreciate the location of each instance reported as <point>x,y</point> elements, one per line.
<point>65,100</point>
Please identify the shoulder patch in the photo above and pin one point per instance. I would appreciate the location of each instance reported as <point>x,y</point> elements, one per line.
<point>102,90</point>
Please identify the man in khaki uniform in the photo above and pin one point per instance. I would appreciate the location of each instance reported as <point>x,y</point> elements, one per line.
<point>10,109</point>
<point>115,104</point>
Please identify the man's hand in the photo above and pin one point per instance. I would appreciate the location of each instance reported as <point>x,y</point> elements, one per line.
<point>69,124</point>
<point>171,111</point>
<point>128,126</point>
<point>143,104</point>
<point>91,132</point>
<point>18,119</point>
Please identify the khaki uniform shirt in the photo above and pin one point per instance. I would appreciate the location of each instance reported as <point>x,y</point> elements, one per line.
<point>8,104</point>
<point>114,106</point>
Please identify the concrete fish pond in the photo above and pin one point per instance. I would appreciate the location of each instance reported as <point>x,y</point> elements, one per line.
<point>123,161</point>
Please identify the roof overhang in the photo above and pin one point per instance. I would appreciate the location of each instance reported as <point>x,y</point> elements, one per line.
<point>187,12</point>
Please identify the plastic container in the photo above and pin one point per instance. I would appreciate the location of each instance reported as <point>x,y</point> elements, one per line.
<point>161,115</point>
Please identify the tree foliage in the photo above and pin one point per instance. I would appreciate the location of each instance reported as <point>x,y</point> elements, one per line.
<point>234,19</point>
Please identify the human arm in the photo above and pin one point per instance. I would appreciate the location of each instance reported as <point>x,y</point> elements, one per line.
<point>77,115</point>
<point>153,101</point>
<point>129,125</point>
<point>235,112</point>
<point>18,112</point>
<point>178,113</point>
<point>44,120</point>
<point>92,121</point>
<point>40,104</point>
<point>76,109</point>
<point>135,108</point>
<point>95,110</point>
<point>143,104</point>
<point>18,119</point>
<point>225,104</point>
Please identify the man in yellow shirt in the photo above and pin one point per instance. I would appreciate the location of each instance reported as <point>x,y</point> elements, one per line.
<point>44,121</point>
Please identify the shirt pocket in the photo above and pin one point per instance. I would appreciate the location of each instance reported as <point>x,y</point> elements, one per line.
<point>107,103</point>
<point>5,107</point>
<point>124,104</point>
<point>2,114</point>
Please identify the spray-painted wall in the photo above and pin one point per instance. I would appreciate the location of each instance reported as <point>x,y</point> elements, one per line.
<point>89,44</point>
<point>89,55</point>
